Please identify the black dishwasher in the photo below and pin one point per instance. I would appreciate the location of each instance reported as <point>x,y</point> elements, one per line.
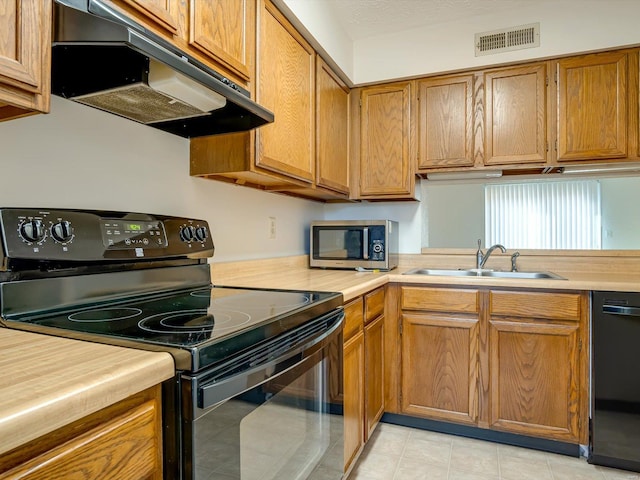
<point>615,382</point>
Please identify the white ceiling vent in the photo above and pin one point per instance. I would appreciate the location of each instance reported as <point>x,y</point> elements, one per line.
<point>507,39</point>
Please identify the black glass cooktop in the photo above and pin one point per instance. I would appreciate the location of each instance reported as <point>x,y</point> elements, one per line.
<point>208,323</point>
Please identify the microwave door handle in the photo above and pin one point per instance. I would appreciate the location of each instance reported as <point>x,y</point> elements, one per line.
<point>365,243</point>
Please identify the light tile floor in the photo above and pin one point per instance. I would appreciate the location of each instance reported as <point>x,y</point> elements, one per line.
<point>402,453</point>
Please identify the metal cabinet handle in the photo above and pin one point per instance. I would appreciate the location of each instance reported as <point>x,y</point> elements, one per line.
<point>619,310</point>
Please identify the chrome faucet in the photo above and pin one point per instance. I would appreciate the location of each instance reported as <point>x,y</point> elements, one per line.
<point>481,258</point>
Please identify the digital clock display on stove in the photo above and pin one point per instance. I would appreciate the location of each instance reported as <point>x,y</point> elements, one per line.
<point>121,234</point>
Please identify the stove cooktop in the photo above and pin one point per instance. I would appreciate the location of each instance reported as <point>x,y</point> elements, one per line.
<point>198,326</point>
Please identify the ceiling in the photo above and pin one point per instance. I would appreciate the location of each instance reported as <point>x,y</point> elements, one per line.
<point>366,18</point>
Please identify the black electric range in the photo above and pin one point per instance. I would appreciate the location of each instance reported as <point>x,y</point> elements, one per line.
<point>136,280</point>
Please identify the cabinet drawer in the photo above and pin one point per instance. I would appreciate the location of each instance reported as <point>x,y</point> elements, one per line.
<point>373,304</point>
<point>557,306</point>
<point>127,446</point>
<point>353,318</point>
<point>440,299</point>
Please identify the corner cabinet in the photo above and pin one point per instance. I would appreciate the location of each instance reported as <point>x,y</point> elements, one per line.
<point>332,130</point>
<point>507,360</point>
<point>120,441</point>
<point>387,146</point>
<point>25,57</point>
<point>305,151</point>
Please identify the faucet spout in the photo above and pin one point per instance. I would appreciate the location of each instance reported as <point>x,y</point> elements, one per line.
<point>482,258</point>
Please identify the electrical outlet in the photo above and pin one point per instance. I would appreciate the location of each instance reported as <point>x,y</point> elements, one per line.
<point>272,228</point>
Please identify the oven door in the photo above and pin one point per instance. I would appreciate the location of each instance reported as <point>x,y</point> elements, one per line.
<point>272,413</point>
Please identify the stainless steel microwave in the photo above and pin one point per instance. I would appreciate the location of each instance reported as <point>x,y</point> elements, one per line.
<point>371,244</point>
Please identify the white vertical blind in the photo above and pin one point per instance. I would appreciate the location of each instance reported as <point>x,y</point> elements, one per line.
<point>558,215</point>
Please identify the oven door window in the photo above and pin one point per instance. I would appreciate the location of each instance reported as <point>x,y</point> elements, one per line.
<point>283,429</point>
<point>338,243</point>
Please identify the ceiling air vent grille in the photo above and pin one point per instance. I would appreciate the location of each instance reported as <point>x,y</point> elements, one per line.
<point>507,39</point>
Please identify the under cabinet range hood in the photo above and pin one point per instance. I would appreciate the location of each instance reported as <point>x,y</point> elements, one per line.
<point>104,59</point>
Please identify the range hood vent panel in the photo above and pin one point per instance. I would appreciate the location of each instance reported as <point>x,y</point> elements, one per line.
<point>108,62</point>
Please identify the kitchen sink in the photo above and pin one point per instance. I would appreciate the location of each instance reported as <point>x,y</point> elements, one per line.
<point>483,273</point>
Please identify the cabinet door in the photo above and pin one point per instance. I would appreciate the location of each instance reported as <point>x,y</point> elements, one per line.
<point>592,107</point>
<point>374,372</point>
<point>440,367</point>
<point>353,367</point>
<point>223,29</point>
<point>534,378</point>
<point>25,57</point>
<point>162,13</point>
<point>445,127</point>
<point>286,87</point>
<point>386,167</point>
<point>516,115</point>
<point>332,122</point>
<point>123,441</point>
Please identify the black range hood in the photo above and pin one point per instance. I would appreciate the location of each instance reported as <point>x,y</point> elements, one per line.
<point>105,60</point>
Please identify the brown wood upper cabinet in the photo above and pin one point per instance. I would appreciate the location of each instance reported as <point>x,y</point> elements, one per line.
<point>286,86</point>
<point>592,106</point>
<point>332,129</point>
<point>386,142</point>
<point>25,57</point>
<point>445,122</point>
<point>305,151</point>
<point>220,33</point>
<point>516,115</point>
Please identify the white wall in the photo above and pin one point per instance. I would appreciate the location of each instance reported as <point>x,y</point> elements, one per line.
<point>79,157</point>
<point>620,215</point>
<point>566,26</point>
<point>407,214</point>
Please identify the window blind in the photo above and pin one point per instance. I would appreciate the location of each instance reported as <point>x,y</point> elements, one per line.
<point>557,215</point>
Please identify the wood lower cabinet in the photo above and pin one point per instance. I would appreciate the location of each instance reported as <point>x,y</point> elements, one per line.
<point>386,142</point>
<point>353,394</point>
<point>120,441</point>
<point>514,361</point>
<point>440,354</point>
<point>363,371</point>
<point>25,57</point>
<point>374,359</point>
<point>537,358</point>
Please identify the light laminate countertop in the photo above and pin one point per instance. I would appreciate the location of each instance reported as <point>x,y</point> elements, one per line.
<point>293,273</point>
<point>48,382</point>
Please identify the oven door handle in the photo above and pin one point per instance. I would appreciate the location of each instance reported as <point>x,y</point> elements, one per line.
<point>263,364</point>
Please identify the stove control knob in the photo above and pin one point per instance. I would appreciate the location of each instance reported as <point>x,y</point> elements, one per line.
<point>32,230</point>
<point>201,234</point>
<point>187,233</point>
<point>62,231</point>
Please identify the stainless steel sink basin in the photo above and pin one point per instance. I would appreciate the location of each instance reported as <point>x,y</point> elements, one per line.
<point>483,273</point>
